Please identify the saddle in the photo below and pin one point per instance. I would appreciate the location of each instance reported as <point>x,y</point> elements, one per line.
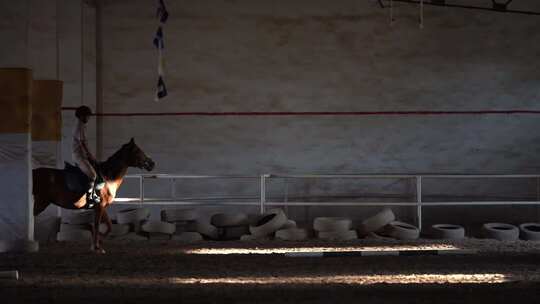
<point>76,180</point>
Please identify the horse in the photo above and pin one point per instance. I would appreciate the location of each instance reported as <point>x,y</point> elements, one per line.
<point>50,187</point>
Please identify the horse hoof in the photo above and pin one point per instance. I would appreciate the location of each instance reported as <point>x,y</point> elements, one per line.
<point>98,250</point>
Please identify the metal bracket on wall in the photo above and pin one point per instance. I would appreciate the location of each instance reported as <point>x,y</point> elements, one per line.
<point>499,6</point>
<point>421,13</point>
<point>421,21</point>
<point>391,12</point>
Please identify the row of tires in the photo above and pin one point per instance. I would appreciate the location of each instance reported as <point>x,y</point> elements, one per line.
<point>130,224</point>
<point>189,226</point>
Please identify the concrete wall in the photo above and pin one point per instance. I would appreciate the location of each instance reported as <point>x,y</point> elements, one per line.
<point>322,56</point>
<point>52,39</point>
<point>304,56</point>
<point>327,56</point>
<point>15,149</point>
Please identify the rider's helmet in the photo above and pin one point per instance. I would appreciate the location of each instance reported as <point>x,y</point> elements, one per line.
<point>83,111</point>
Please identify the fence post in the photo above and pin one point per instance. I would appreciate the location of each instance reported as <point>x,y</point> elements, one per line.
<point>173,188</point>
<point>263,192</point>
<point>419,202</point>
<point>141,192</point>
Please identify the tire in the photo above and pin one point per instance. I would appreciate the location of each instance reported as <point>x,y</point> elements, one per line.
<point>403,231</point>
<point>530,231</point>
<point>289,224</point>
<point>269,223</point>
<point>207,230</point>
<point>158,227</point>
<point>135,227</point>
<point>321,224</point>
<point>132,215</point>
<point>229,220</point>
<point>337,235</point>
<point>188,237</point>
<point>292,234</point>
<point>376,236</point>
<point>376,222</point>
<point>74,236</point>
<point>116,229</point>
<point>250,237</point>
<point>186,226</point>
<point>75,227</point>
<point>179,214</point>
<point>158,236</point>
<point>232,233</point>
<point>253,218</point>
<point>79,218</point>
<point>448,232</point>
<point>19,246</point>
<point>9,274</point>
<point>500,231</point>
<point>132,236</point>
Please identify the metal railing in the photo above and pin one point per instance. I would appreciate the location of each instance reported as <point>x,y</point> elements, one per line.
<point>262,202</point>
<point>194,201</point>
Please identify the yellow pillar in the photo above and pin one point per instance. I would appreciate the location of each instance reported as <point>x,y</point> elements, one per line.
<point>46,143</point>
<point>46,110</point>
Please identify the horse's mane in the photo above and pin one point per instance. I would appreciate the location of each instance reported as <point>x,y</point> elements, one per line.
<point>111,166</point>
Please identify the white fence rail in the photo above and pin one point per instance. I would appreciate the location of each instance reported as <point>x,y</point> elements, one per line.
<point>262,202</point>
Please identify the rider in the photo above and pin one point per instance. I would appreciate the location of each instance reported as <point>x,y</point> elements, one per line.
<point>82,155</point>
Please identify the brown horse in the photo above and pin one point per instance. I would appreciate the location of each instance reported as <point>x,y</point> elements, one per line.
<point>49,187</point>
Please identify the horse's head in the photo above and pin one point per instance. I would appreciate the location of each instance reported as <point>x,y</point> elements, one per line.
<point>137,158</point>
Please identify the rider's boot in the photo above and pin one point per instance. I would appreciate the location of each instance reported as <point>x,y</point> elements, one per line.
<point>95,196</point>
<point>100,186</point>
<point>92,196</point>
<point>90,200</point>
<point>97,190</point>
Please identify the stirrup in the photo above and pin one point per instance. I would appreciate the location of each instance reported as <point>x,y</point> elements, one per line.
<point>95,197</point>
<point>90,202</point>
<point>92,196</point>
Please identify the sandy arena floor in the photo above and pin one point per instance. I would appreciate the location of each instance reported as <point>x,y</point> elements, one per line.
<point>248,272</point>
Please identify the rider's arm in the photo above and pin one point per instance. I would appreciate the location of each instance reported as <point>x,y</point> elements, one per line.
<point>84,144</point>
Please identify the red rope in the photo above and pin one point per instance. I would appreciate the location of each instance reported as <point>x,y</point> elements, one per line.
<point>363,113</point>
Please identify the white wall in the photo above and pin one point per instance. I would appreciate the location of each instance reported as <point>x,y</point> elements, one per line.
<point>301,56</point>
<point>326,56</point>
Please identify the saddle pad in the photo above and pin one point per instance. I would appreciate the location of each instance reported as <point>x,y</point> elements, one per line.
<point>76,180</point>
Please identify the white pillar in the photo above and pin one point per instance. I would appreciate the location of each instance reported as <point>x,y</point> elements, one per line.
<point>16,205</point>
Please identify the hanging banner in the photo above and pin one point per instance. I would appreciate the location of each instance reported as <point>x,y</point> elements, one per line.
<point>162,15</point>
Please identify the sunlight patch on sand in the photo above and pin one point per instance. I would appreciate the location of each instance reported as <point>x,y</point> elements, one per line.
<point>281,250</point>
<point>486,278</point>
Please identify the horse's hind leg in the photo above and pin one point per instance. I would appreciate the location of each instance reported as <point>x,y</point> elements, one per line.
<point>39,205</point>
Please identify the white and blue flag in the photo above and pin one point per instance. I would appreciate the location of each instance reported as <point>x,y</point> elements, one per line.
<point>162,12</point>
<point>158,39</point>
<point>159,43</point>
<point>161,88</point>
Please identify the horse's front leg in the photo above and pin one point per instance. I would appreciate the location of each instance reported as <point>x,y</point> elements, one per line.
<point>107,222</point>
<point>96,246</point>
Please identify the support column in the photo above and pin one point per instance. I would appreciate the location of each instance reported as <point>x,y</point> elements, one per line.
<point>46,139</point>
<point>46,122</point>
<point>16,205</point>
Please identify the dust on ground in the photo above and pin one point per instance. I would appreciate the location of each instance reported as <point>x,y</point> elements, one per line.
<point>258,272</point>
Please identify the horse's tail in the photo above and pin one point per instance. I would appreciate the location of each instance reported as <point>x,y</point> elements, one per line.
<point>35,178</point>
<point>42,179</point>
